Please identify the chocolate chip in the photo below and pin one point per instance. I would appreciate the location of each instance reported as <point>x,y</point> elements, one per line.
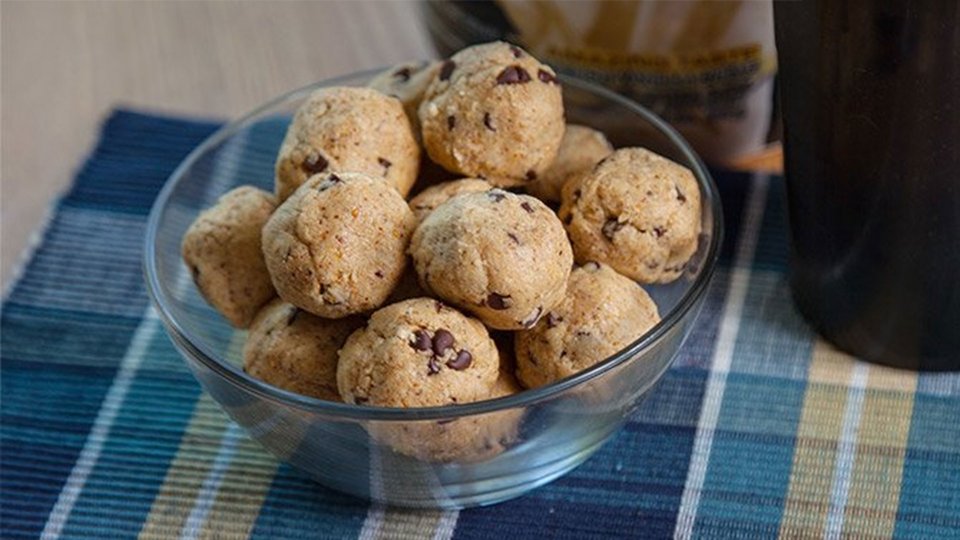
<point>432,366</point>
<point>531,175</point>
<point>379,274</point>
<point>553,319</point>
<point>360,400</point>
<point>421,341</point>
<point>533,318</point>
<point>658,231</point>
<point>403,74</point>
<point>334,179</point>
<point>513,75</point>
<point>514,238</point>
<point>195,271</point>
<point>385,163</point>
<point>293,316</point>
<point>546,77</point>
<point>451,122</point>
<point>680,196</point>
<point>517,51</point>
<point>462,361</point>
<point>315,163</point>
<point>496,195</point>
<point>498,301</point>
<point>447,69</point>
<point>601,162</point>
<point>610,227</point>
<point>438,305</point>
<point>526,206</point>
<point>442,340</point>
<point>487,122</point>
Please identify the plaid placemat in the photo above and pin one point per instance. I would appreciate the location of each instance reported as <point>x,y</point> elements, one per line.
<point>759,430</point>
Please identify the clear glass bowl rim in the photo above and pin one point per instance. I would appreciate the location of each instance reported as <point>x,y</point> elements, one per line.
<point>236,376</point>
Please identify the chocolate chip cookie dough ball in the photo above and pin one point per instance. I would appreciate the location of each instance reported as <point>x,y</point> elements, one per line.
<point>602,313</point>
<point>222,250</point>
<point>636,211</point>
<point>417,353</point>
<point>504,257</point>
<point>580,149</point>
<point>294,350</point>
<point>495,112</point>
<point>434,196</point>
<point>351,130</point>
<point>407,82</point>
<point>336,246</point>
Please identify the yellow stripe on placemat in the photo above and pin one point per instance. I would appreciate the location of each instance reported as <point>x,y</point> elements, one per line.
<point>240,495</point>
<point>821,421</point>
<point>187,472</point>
<point>874,495</point>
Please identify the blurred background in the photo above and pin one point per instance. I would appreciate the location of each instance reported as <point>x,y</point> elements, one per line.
<point>65,65</point>
<point>707,67</point>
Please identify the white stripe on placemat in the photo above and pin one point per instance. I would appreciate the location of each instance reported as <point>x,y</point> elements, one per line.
<point>211,484</point>
<point>101,426</point>
<point>722,355</point>
<point>446,525</point>
<point>846,450</point>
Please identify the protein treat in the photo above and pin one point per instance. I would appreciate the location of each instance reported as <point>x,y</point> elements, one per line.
<point>580,149</point>
<point>434,196</point>
<point>495,112</point>
<point>602,313</point>
<point>336,246</point>
<point>501,256</point>
<point>222,250</point>
<point>349,130</point>
<point>294,350</point>
<point>636,211</point>
<point>417,353</point>
<point>407,82</point>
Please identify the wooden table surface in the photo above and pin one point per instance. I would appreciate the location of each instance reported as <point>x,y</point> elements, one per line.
<point>65,65</point>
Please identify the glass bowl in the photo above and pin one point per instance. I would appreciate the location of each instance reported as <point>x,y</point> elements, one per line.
<point>441,457</point>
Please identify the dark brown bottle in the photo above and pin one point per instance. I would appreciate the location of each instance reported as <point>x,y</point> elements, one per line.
<point>870,97</point>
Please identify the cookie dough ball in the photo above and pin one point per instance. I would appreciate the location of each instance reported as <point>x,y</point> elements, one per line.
<point>602,313</point>
<point>636,211</point>
<point>222,250</point>
<point>580,149</point>
<point>502,256</point>
<point>348,129</point>
<point>417,353</point>
<point>294,350</point>
<point>407,82</point>
<point>493,111</point>
<point>336,246</point>
<point>434,196</point>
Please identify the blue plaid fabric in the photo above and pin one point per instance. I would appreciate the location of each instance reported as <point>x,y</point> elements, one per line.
<point>759,429</point>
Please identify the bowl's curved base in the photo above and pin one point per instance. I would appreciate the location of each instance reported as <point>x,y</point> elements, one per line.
<point>488,492</point>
